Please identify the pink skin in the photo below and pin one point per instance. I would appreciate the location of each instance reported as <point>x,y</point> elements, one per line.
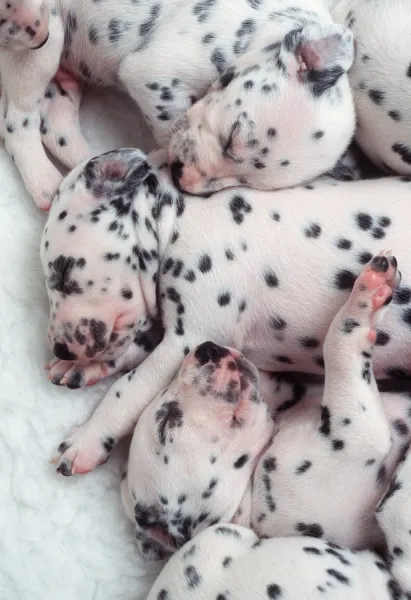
<point>115,315</point>
<point>32,19</point>
<point>211,427</point>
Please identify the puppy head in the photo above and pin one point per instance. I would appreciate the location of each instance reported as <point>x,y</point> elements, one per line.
<point>24,24</point>
<point>277,118</point>
<point>194,448</point>
<point>100,256</point>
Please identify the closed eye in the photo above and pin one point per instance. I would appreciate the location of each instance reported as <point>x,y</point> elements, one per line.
<point>227,143</point>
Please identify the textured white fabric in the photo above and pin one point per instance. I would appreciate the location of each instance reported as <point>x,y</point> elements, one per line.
<point>60,538</point>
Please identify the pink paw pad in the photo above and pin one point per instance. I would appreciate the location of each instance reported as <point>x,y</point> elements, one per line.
<point>373,289</point>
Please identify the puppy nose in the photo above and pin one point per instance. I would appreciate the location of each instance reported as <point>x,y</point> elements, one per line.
<point>210,352</point>
<point>176,168</point>
<point>62,352</point>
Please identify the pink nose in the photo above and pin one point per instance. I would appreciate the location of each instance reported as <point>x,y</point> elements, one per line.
<point>190,178</point>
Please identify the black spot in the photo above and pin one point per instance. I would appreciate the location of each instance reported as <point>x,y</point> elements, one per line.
<point>205,264</point>
<point>93,35</point>
<point>318,135</point>
<point>190,276</point>
<point>325,427</point>
<point>283,359</point>
<point>403,151</point>
<point>126,294</point>
<point>303,467</point>
<point>312,529</point>
<point>108,443</point>
<point>227,561</point>
<point>378,233</point>
<point>395,115</point>
<point>344,279</point>
<point>313,231</point>
<point>364,221</point>
<point>169,416</point>
<point>349,325</point>
<point>274,591</point>
<point>344,244</point>
<point>338,576</point>
<point>227,532</point>
<point>240,462</point>
<point>60,277</point>
<point>62,141</point>
<point>193,578</point>
<point>337,444</point>
<point>208,351</point>
<point>382,338</point>
<point>402,295</point>
<point>219,60</point>
<point>400,427</point>
<point>319,361</point>
<point>62,215</point>
<point>269,464</point>
<point>406,316</point>
<point>381,475</point>
<point>271,132</point>
<point>224,299</point>
<point>270,278</point>
<point>239,207</point>
<point>309,342</point>
<point>377,96</point>
<point>312,550</point>
<point>364,257</point>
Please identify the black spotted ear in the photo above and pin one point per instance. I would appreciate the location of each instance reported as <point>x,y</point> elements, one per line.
<point>323,54</point>
<point>115,173</point>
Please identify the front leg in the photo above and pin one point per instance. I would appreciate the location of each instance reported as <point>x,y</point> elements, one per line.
<point>23,142</point>
<point>117,414</point>
<point>24,78</point>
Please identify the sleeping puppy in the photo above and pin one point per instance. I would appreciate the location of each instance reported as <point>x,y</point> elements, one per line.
<point>258,271</point>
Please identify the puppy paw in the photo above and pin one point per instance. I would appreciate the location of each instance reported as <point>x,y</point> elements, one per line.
<point>74,376</point>
<point>45,187</point>
<point>82,451</point>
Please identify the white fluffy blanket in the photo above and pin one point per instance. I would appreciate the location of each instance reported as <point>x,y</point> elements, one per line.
<point>60,538</point>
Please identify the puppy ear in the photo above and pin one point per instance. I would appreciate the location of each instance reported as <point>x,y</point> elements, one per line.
<point>323,54</point>
<point>115,173</point>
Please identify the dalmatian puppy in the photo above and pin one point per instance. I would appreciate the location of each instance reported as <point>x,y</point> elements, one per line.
<point>279,74</point>
<point>230,561</point>
<point>212,414</point>
<point>381,79</point>
<point>122,244</point>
